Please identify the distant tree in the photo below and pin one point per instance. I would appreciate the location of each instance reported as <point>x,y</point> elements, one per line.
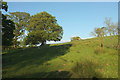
<point>108,25</point>
<point>21,20</point>
<point>104,31</point>
<point>75,38</point>
<point>110,28</point>
<point>113,28</point>
<point>43,27</point>
<point>97,32</point>
<point>8,27</point>
<point>117,29</point>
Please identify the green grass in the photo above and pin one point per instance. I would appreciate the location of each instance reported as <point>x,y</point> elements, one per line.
<point>75,59</point>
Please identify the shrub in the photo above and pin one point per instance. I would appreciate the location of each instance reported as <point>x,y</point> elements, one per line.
<point>98,50</point>
<point>117,47</point>
<point>75,38</point>
<point>86,69</point>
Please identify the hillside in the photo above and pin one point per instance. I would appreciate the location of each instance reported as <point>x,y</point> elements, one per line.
<point>76,59</point>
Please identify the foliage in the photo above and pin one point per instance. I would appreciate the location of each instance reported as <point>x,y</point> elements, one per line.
<point>7,31</point>
<point>4,6</point>
<point>75,38</point>
<point>43,27</point>
<point>21,20</point>
<point>108,24</point>
<point>103,31</point>
<point>110,28</point>
<point>114,29</point>
<point>8,27</point>
<point>97,32</point>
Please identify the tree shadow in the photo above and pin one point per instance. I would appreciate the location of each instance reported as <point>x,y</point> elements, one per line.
<point>32,56</point>
<point>52,74</point>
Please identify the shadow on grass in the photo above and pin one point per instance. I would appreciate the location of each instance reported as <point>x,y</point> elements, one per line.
<point>31,56</point>
<point>53,74</point>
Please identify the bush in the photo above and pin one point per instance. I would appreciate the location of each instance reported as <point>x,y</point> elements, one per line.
<point>117,47</point>
<point>98,50</point>
<point>86,69</point>
<point>75,38</point>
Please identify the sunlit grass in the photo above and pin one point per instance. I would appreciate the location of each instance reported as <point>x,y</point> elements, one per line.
<point>76,59</point>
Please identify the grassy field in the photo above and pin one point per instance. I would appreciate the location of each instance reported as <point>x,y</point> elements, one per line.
<point>77,59</point>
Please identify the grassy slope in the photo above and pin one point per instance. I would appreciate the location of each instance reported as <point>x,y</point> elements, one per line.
<point>73,59</point>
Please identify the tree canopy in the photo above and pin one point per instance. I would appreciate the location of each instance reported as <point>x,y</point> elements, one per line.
<point>43,27</point>
<point>21,20</point>
<point>7,31</point>
<point>8,27</point>
<point>4,6</point>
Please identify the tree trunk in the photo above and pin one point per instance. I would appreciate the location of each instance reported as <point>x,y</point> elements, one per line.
<point>15,42</point>
<point>43,43</point>
<point>15,46</point>
<point>110,33</point>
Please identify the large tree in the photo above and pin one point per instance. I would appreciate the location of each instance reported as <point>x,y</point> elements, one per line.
<point>7,31</point>
<point>21,20</point>
<point>43,27</point>
<point>8,27</point>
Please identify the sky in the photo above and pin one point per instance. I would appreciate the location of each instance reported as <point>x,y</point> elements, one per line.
<point>76,18</point>
<point>62,0</point>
